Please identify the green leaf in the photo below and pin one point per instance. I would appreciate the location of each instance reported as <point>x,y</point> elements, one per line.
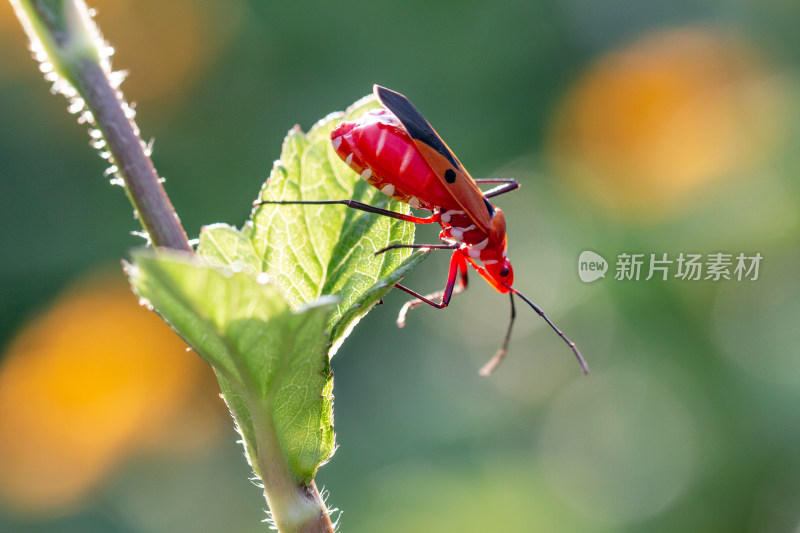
<point>268,304</point>
<point>272,360</point>
<point>312,250</point>
<point>224,245</point>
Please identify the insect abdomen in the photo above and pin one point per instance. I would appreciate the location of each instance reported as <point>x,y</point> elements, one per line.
<point>379,149</point>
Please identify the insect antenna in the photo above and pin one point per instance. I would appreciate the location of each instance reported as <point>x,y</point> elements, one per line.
<point>581,360</point>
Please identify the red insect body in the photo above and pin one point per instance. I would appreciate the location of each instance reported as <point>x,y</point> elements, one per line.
<point>396,150</point>
<point>380,150</point>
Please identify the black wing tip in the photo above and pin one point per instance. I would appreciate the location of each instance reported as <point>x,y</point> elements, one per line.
<point>413,121</point>
<point>387,97</point>
<point>379,91</point>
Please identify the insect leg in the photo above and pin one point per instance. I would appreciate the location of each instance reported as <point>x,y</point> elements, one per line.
<point>489,367</point>
<point>496,180</point>
<point>510,185</point>
<point>453,246</point>
<point>355,205</point>
<point>457,264</point>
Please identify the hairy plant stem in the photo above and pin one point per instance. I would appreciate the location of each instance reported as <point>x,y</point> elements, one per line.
<point>155,211</point>
<point>74,56</point>
<point>295,507</point>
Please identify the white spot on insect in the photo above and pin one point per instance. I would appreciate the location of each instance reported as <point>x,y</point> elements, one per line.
<point>406,159</point>
<point>490,261</point>
<point>413,202</point>
<point>366,174</point>
<point>388,190</point>
<point>337,142</point>
<point>458,233</point>
<point>481,245</point>
<point>381,142</point>
<point>474,253</point>
<point>349,159</point>
<point>445,217</point>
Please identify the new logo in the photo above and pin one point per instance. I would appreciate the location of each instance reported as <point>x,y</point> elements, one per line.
<point>591,266</point>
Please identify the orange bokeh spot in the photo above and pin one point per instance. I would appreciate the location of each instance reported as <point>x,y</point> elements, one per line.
<point>90,380</point>
<point>165,46</point>
<point>648,124</point>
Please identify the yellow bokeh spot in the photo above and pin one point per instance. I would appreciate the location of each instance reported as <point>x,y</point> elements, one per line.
<point>92,379</point>
<point>649,124</point>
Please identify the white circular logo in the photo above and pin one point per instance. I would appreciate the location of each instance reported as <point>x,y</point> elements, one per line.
<point>591,266</point>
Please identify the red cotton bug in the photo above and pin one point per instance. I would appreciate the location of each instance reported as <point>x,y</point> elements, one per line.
<point>396,150</point>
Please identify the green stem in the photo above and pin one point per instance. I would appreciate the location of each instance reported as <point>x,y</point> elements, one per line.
<point>295,507</point>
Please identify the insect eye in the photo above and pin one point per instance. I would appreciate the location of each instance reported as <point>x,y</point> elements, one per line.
<point>504,272</point>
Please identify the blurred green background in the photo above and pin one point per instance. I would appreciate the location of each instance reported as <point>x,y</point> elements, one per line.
<point>637,127</point>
